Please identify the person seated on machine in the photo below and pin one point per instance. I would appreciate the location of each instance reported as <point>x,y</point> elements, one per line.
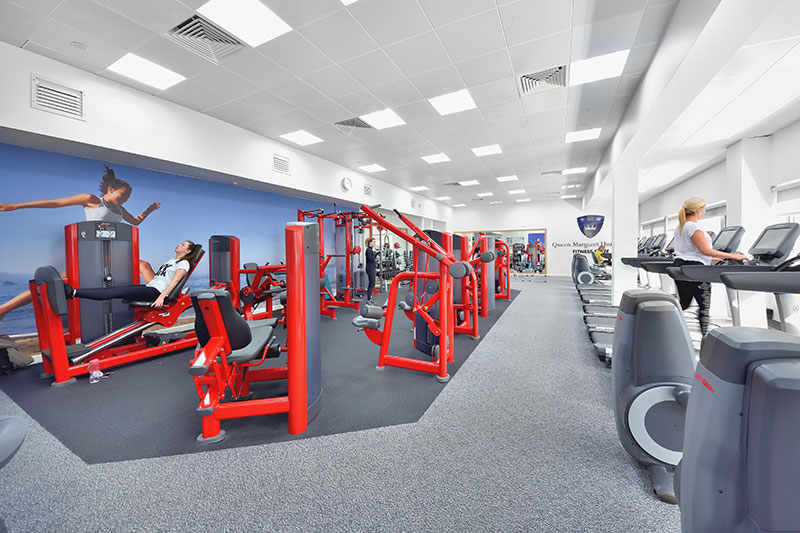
<point>602,256</point>
<point>158,284</point>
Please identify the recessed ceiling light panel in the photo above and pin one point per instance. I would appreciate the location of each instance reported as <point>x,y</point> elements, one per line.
<point>597,68</point>
<point>517,191</point>
<point>382,119</point>
<point>144,71</point>
<point>419,188</point>
<point>485,194</point>
<point>459,205</point>
<point>442,198</point>
<point>469,183</point>
<point>582,135</point>
<point>454,102</point>
<point>374,167</point>
<point>508,178</point>
<point>435,158</point>
<point>249,20</point>
<point>490,149</point>
<point>523,200</point>
<point>301,137</point>
<point>576,170</point>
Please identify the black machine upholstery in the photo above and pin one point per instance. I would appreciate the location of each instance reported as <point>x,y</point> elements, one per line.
<point>194,259</point>
<point>55,288</point>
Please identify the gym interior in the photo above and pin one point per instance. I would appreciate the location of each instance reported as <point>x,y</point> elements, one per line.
<point>399,265</point>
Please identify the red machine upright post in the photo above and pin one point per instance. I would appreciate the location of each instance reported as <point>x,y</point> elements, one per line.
<point>295,318</point>
<point>73,277</point>
<point>484,279</point>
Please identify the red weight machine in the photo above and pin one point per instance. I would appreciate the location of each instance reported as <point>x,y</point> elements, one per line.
<point>64,356</point>
<point>232,349</point>
<point>344,225</point>
<point>429,288</point>
<point>501,269</point>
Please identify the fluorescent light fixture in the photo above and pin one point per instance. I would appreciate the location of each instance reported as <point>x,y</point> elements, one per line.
<point>249,20</point>
<point>576,170</point>
<point>490,149</point>
<point>508,178</point>
<point>495,202</point>
<point>348,2</point>
<point>382,119</point>
<point>468,183</point>
<point>569,197</point>
<point>419,188</point>
<point>459,205</point>
<point>575,186</point>
<point>301,137</point>
<point>582,135</point>
<point>597,68</point>
<point>517,191</point>
<point>523,200</point>
<point>435,158</point>
<point>374,167</point>
<point>454,102</point>
<point>442,198</point>
<point>485,194</point>
<point>144,71</point>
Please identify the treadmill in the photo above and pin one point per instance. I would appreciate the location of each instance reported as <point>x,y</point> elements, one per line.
<point>747,308</point>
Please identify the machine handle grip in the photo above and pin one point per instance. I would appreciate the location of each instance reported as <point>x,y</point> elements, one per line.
<point>376,206</point>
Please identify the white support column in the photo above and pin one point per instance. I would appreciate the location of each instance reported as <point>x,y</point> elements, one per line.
<point>624,225</point>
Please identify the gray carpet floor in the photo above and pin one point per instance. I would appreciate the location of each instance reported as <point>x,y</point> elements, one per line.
<point>522,439</point>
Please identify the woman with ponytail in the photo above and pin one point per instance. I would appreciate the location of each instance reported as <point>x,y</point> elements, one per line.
<point>693,247</point>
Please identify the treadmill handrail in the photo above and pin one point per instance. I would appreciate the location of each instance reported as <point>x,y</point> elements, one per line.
<point>711,273</point>
<point>774,282</point>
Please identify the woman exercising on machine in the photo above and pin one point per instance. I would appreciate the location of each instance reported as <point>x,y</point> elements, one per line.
<point>371,256</point>
<point>106,208</point>
<point>159,283</point>
<point>693,247</point>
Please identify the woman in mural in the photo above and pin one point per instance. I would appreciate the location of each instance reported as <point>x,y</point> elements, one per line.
<point>105,208</point>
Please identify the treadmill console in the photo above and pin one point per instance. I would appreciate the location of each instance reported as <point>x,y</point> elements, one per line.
<point>776,242</point>
<point>728,239</point>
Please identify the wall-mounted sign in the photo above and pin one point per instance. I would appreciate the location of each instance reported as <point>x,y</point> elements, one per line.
<point>590,225</point>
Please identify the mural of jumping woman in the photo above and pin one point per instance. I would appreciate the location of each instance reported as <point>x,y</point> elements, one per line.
<point>105,208</point>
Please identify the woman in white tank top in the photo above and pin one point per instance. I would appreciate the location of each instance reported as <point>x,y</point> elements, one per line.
<point>107,208</point>
<point>693,247</point>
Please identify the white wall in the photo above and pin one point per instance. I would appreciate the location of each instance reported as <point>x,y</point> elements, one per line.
<point>708,184</point>
<point>558,217</point>
<point>126,120</point>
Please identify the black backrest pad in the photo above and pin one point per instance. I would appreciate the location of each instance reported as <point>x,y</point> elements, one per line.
<point>194,258</point>
<point>235,326</point>
<point>250,277</point>
<point>55,288</point>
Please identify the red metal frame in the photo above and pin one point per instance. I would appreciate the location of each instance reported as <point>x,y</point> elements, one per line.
<point>501,269</point>
<point>221,376</point>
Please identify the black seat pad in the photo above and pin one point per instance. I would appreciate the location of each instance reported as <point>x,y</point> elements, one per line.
<point>261,333</point>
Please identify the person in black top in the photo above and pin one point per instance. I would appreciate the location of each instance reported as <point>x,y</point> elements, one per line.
<point>371,255</point>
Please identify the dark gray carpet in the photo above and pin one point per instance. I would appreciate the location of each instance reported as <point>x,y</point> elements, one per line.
<point>147,409</point>
<point>522,439</point>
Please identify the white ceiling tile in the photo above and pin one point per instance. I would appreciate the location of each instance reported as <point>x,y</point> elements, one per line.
<point>508,123</point>
<point>57,37</point>
<point>360,103</point>
<point>541,54</point>
<point>42,7</point>
<point>418,54</point>
<point>512,136</point>
<point>495,93</point>
<point>442,12</point>
<point>598,91</point>
<point>421,112</point>
<point>93,19</point>
<point>474,36</point>
<point>156,15</point>
<point>512,108</point>
<point>527,20</point>
<point>639,59</point>
<point>299,120</point>
<point>236,113</point>
<point>653,24</point>
<point>627,86</point>
<point>390,21</point>
<point>257,68</point>
<point>438,82</point>
<point>267,103</point>
<point>171,55</point>
<point>299,13</point>
<point>270,127</point>
<point>588,11</point>
<point>339,36</point>
<point>329,111</point>
<point>552,99</point>
<point>17,23</point>
<point>226,82</point>
<point>483,69</point>
<point>113,76</point>
<point>298,92</point>
<point>397,93</point>
<point>295,53</point>
<point>465,119</point>
<point>333,82</point>
<point>606,36</point>
<point>72,60</point>
<point>193,95</point>
<point>372,69</point>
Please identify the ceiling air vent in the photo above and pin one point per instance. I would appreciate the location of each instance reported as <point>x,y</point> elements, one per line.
<point>280,164</point>
<point>56,98</point>
<point>352,125</point>
<point>204,39</point>
<point>543,80</point>
<point>452,184</point>
<point>551,173</point>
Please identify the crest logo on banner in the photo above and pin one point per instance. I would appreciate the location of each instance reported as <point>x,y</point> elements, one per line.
<point>590,225</point>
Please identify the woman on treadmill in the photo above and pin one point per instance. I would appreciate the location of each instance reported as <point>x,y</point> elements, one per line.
<point>158,284</point>
<point>693,247</point>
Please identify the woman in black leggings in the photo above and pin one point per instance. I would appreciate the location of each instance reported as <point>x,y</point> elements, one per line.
<point>693,247</point>
<point>158,283</point>
<point>371,264</point>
